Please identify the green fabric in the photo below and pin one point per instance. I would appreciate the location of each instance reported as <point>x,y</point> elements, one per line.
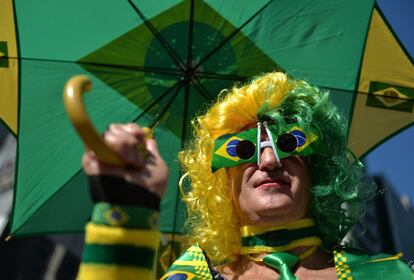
<point>348,263</point>
<point>125,216</point>
<point>333,44</point>
<point>279,237</point>
<point>360,265</point>
<point>118,255</point>
<point>283,263</point>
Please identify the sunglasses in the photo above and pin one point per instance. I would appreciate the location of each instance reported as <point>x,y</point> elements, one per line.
<point>235,149</point>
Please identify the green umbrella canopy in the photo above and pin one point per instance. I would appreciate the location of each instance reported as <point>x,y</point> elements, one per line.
<point>146,56</point>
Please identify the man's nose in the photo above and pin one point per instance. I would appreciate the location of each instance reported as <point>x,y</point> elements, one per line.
<point>268,159</point>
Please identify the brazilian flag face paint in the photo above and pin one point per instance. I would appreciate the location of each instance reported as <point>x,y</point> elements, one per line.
<point>235,149</point>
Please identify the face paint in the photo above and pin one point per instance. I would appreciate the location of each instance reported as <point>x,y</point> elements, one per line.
<point>236,149</point>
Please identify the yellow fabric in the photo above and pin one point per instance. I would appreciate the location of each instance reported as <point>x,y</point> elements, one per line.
<point>100,234</point>
<point>9,74</point>
<point>255,230</point>
<point>385,62</point>
<point>395,257</point>
<point>106,272</point>
<point>310,241</point>
<point>108,235</point>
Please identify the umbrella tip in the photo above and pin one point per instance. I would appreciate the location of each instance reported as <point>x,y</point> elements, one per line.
<point>8,238</point>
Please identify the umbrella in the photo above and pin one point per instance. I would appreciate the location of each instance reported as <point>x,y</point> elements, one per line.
<point>163,61</point>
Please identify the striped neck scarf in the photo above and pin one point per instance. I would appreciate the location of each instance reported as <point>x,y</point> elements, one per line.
<point>276,240</point>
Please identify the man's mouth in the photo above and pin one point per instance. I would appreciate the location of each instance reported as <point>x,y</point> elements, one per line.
<point>271,183</point>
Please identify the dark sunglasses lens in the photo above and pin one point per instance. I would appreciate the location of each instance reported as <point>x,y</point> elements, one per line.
<point>245,149</point>
<point>287,143</point>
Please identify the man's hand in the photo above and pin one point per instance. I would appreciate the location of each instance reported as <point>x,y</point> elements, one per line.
<point>144,165</point>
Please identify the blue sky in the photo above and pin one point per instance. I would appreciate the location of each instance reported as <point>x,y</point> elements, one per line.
<point>395,160</point>
<point>399,14</point>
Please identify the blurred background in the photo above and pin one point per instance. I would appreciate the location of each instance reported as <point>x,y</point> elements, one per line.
<point>37,257</point>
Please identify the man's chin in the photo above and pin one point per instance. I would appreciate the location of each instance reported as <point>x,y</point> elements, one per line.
<point>281,210</point>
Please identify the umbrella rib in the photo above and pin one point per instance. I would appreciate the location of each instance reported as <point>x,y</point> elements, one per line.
<point>210,75</point>
<point>203,91</point>
<point>158,36</point>
<point>167,106</point>
<point>190,37</point>
<point>186,95</point>
<point>157,100</point>
<point>136,68</point>
<point>231,35</point>
<point>188,78</point>
<point>183,133</point>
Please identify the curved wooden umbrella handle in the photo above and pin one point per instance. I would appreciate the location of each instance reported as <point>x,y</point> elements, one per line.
<point>73,100</point>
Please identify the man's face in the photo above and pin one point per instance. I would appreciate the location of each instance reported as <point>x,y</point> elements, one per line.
<point>271,193</point>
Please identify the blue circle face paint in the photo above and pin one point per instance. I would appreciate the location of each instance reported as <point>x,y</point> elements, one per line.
<point>300,136</point>
<point>231,147</point>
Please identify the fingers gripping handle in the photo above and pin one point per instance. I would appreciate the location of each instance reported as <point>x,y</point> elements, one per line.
<point>75,108</point>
